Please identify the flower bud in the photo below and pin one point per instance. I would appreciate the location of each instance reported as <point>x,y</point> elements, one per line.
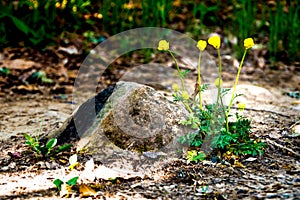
<point>175,87</point>
<point>218,82</point>
<point>185,95</point>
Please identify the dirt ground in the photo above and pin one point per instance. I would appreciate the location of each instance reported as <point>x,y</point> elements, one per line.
<point>275,119</point>
<point>274,175</point>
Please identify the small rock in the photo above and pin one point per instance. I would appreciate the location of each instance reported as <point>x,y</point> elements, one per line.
<point>272,195</point>
<point>250,159</point>
<point>12,165</point>
<point>5,168</point>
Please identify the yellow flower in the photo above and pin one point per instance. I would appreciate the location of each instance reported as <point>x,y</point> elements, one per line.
<point>74,9</point>
<point>64,3</point>
<point>218,82</point>
<point>201,45</point>
<point>248,43</point>
<point>241,106</point>
<point>185,95</point>
<point>175,87</point>
<point>215,41</point>
<point>163,45</point>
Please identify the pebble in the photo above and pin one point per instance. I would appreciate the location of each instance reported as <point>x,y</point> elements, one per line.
<point>5,168</point>
<point>272,195</point>
<point>12,165</point>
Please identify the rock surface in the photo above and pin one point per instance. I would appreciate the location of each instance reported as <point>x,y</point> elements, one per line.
<point>132,123</point>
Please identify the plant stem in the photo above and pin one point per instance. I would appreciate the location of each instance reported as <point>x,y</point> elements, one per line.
<point>234,88</point>
<point>188,107</point>
<point>178,70</point>
<point>220,76</point>
<point>199,80</point>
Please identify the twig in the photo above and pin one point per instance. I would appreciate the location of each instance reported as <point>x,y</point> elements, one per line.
<point>263,110</point>
<point>282,147</point>
<point>294,124</point>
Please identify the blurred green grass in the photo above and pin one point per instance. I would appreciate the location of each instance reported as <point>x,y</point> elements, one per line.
<point>40,23</point>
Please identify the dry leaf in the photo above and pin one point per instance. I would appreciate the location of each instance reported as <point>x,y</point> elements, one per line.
<point>19,64</point>
<point>238,165</point>
<point>86,191</point>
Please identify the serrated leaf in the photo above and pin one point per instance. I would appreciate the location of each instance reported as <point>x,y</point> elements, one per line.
<point>185,72</point>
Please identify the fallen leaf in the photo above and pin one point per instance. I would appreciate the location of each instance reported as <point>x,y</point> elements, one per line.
<point>238,164</point>
<point>86,191</point>
<point>19,64</point>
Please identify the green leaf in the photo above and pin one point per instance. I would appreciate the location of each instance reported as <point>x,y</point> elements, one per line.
<point>185,72</point>
<point>63,148</point>
<point>20,25</point>
<point>51,143</point>
<point>58,183</point>
<point>30,140</point>
<point>4,70</point>
<point>72,181</point>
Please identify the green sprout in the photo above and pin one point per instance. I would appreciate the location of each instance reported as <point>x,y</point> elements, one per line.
<point>44,149</point>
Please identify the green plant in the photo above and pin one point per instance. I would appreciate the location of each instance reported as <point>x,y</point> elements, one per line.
<point>4,70</point>
<point>211,121</point>
<point>195,156</point>
<point>244,16</point>
<point>41,75</point>
<point>44,149</point>
<point>58,183</point>
<point>38,22</point>
<point>284,30</point>
<point>201,13</point>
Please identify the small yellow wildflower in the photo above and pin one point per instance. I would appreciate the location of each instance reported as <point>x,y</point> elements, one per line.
<point>185,95</point>
<point>64,3</point>
<point>248,43</point>
<point>57,5</point>
<point>130,18</point>
<point>215,41</point>
<point>201,45</point>
<point>175,87</point>
<point>74,9</point>
<point>241,106</point>
<point>218,82</point>
<point>163,45</point>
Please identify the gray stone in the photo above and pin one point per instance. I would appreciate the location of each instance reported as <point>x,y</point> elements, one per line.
<point>134,121</point>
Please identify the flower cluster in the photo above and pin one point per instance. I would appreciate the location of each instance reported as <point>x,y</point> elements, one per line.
<point>214,41</point>
<point>211,120</point>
